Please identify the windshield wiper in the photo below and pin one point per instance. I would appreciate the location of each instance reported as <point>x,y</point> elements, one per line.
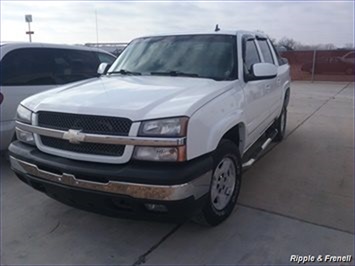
<point>124,72</point>
<point>175,74</point>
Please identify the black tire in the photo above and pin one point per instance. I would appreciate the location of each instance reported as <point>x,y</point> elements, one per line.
<point>226,151</point>
<point>280,125</point>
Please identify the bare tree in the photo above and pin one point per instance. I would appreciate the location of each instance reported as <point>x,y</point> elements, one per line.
<point>349,46</point>
<point>306,47</point>
<point>289,43</point>
<point>327,46</point>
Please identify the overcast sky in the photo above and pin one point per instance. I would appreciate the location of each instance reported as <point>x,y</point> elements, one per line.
<point>74,22</point>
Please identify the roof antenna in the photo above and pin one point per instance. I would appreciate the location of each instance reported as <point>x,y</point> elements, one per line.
<point>217,28</point>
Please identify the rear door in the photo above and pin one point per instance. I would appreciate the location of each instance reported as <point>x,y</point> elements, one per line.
<point>24,72</point>
<point>282,80</point>
<point>273,88</point>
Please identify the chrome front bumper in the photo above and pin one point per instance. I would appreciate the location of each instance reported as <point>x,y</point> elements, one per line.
<point>196,188</point>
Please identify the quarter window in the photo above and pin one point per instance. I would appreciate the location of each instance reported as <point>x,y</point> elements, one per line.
<point>278,56</point>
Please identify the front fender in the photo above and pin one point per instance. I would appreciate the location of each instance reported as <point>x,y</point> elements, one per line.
<point>222,128</point>
<point>208,125</point>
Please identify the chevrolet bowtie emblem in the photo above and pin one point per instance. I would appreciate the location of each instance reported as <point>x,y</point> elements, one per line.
<point>74,136</point>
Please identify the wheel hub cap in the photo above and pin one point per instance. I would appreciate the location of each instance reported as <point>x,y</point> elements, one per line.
<point>223,183</point>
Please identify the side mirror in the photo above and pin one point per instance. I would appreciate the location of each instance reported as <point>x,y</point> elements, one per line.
<point>262,71</point>
<point>103,68</point>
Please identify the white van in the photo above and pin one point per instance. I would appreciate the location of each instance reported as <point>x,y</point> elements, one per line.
<point>30,68</point>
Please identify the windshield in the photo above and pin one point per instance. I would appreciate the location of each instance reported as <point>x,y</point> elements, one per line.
<point>204,56</point>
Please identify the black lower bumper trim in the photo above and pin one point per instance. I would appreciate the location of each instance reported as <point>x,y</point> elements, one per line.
<point>134,171</point>
<point>115,205</point>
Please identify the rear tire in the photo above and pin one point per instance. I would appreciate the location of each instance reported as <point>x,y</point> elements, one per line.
<point>280,125</point>
<point>225,185</point>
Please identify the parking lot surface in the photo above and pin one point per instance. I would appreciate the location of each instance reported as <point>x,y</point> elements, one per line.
<point>298,199</point>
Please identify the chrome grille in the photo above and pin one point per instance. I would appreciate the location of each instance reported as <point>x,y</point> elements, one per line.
<point>92,124</point>
<point>84,147</point>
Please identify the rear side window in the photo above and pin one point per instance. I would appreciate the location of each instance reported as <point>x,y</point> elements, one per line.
<point>278,56</point>
<point>106,58</point>
<point>265,50</point>
<point>47,66</point>
<point>27,67</point>
<point>251,55</point>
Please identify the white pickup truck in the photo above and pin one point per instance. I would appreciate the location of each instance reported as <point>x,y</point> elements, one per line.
<point>165,131</point>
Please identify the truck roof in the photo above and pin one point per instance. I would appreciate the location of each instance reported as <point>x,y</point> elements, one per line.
<point>220,32</point>
<point>17,44</point>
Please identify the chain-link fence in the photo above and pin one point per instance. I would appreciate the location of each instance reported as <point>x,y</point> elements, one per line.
<point>326,65</point>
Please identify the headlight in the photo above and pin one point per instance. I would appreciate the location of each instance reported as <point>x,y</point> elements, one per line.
<point>171,127</point>
<point>162,154</point>
<point>24,115</point>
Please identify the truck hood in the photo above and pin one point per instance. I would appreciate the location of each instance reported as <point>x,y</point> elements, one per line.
<point>134,97</point>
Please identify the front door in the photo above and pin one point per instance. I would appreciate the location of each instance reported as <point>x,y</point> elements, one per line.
<point>257,94</point>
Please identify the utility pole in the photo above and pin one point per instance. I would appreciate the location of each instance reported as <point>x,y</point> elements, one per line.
<point>28,19</point>
<point>97,30</point>
<point>314,64</point>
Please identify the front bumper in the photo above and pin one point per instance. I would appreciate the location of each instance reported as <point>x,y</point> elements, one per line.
<point>196,188</point>
<point>180,187</point>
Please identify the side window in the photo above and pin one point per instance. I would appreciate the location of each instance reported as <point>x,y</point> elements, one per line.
<point>27,66</point>
<point>106,58</point>
<point>278,56</point>
<point>74,65</point>
<point>251,55</point>
<point>265,49</point>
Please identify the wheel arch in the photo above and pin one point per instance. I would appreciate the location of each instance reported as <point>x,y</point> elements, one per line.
<point>203,138</point>
<point>287,96</point>
<point>237,135</point>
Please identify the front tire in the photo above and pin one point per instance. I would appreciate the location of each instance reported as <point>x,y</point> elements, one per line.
<point>225,185</point>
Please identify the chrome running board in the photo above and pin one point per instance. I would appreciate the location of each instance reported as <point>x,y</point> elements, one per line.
<point>251,161</point>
